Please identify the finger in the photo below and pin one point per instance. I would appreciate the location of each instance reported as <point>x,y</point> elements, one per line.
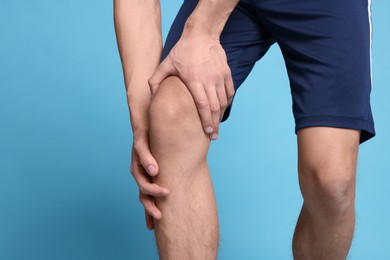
<point>229,87</point>
<point>145,185</point>
<point>149,221</point>
<point>153,189</point>
<point>228,80</point>
<point>150,206</point>
<point>164,70</point>
<point>221,93</point>
<point>145,157</point>
<point>215,109</point>
<point>202,104</point>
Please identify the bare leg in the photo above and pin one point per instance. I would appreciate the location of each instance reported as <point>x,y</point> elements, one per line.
<point>327,160</point>
<point>189,225</point>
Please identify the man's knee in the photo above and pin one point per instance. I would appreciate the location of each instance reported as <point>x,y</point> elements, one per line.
<point>173,118</point>
<point>327,167</point>
<point>328,186</point>
<point>175,129</point>
<point>172,106</point>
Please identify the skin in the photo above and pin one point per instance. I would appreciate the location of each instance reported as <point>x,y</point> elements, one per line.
<point>140,60</point>
<point>200,61</point>
<point>189,226</point>
<point>327,160</point>
<point>208,76</point>
<point>174,120</point>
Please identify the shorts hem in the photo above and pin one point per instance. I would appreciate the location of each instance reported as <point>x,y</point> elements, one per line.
<point>367,127</point>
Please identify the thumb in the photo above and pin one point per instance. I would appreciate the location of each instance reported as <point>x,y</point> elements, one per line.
<point>164,70</point>
<point>146,158</point>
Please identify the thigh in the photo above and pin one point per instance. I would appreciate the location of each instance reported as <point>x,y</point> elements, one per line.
<point>327,50</point>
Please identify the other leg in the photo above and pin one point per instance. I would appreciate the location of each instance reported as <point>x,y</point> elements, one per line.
<point>327,159</point>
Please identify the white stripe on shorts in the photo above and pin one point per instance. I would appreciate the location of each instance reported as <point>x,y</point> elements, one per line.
<point>370,22</point>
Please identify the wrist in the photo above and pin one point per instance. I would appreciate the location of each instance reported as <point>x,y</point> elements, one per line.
<point>138,110</point>
<point>195,26</point>
<point>140,138</point>
<point>139,122</point>
<point>140,135</point>
<point>209,17</point>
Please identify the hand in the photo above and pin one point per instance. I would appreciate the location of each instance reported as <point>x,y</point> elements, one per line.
<point>201,63</point>
<point>143,166</point>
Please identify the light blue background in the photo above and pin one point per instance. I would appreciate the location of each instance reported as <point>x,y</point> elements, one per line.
<point>65,138</point>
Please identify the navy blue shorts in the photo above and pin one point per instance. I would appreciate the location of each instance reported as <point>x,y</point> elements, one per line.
<point>326,45</point>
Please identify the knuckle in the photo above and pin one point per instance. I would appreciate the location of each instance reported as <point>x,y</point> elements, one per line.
<point>202,103</point>
<point>218,77</point>
<point>228,72</point>
<point>192,76</point>
<point>230,93</point>
<point>215,107</point>
<point>137,147</point>
<point>142,189</point>
<point>151,82</point>
<point>223,103</point>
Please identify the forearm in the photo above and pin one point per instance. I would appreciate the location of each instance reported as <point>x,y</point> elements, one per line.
<point>209,17</point>
<point>138,32</point>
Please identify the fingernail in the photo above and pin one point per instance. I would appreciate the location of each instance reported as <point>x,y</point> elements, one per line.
<point>209,129</point>
<point>214,136</point>
<point>151,169</point>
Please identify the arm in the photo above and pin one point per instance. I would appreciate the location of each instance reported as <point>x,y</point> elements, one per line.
<point>138,31</point>
<point>200,61</point>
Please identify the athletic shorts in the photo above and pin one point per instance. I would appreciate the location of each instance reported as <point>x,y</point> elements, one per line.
<point>326,45</point>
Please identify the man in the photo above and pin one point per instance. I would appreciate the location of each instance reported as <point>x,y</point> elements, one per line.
<point>210,50</point>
